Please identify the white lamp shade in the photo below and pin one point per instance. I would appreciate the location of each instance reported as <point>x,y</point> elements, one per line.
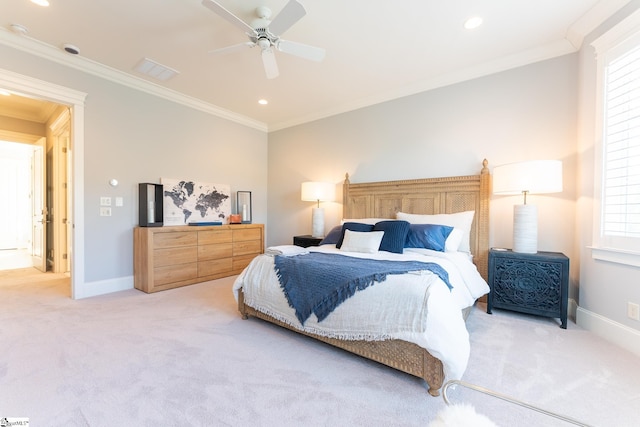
<point>313,191</point>
<point>534,177</point>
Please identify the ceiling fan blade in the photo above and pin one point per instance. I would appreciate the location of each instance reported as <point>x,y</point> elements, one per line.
<point>233,48</point>
<point>302,50</point>
<point>270,64</point>
<point>288,16</point>
<point>228,16</point>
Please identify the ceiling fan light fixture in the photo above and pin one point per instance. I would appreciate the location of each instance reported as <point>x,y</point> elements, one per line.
<point>263,43</point>
<point>266,34</point>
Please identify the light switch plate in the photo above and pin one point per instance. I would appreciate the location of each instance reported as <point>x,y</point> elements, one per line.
<point>119,201</point>
<point>105,211</point>
<point>105,201</point>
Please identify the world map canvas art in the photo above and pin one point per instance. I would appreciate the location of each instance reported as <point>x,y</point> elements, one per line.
<point>187,202</point>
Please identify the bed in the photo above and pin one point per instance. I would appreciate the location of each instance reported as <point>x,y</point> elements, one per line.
<point>408,200</point>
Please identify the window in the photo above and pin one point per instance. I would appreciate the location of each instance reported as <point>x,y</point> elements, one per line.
<point>617,216</point>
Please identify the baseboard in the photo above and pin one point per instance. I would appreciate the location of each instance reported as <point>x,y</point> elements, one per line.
<point>617,333</point>
<point>572,308</point>
<point>101,287</point>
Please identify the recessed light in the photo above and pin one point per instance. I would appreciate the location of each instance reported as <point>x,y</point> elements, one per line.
<point>43,3</point>
<point>473,23</point>
<point>263,102</point>
<point>19,29</point>
<point>69,48</point>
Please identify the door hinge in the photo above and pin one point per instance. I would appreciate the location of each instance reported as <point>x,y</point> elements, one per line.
<point>64,256</point>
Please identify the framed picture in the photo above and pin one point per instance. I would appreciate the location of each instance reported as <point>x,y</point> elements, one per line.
<point>186,202</point>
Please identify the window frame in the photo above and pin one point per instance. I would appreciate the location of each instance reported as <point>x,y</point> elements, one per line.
<point>612,44</point>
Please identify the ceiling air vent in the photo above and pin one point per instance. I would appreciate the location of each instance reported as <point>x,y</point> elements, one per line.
<point>152,69</point>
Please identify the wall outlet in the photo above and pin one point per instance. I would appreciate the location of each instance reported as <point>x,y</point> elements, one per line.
<point>105,211</point>
<point>633,311</point>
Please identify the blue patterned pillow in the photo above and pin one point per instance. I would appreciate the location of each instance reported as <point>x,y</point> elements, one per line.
<point>395,235</point>
<point>333,237</point>
<point>353,226</point>
<point>428,236</point>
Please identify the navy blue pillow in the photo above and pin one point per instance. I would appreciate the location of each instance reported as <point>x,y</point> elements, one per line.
<point>428,236</point>
<point>333,237</point>
<point>395,235</point>
<point>353,226</point>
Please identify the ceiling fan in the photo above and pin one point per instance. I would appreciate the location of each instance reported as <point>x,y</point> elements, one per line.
<point>266,34</point>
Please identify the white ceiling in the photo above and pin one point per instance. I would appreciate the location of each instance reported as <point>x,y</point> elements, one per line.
<point>376,50</point>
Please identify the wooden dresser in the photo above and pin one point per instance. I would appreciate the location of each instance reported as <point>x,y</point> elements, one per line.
<point>169,257</point>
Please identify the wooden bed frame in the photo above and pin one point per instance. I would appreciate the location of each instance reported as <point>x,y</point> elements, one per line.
<point>417,196</point>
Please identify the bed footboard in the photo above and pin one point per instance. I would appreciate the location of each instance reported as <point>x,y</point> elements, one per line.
<point>401,355</point>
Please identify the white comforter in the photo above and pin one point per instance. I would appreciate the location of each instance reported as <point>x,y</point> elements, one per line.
<point>425,312</point>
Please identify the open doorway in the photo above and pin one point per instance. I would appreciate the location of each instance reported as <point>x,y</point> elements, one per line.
<point>73,102</point>
<point>35,218</point>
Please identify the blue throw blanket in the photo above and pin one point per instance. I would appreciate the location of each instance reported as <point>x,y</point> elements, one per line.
<point>318,282</point>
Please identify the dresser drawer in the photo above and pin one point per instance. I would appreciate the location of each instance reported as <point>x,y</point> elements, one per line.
<point>174,239</point>
<point>210,237</point>
<point>171,274</point>
<point>175,256</point>
<point>222,250</point>
<point>248,247</point>
<point>247,234</point>
<point>216,266</point>
<point>240,262</point>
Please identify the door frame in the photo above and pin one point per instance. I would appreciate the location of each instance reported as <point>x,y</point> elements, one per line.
<point>75,100</point>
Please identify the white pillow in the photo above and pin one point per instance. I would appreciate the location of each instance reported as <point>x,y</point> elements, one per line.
<point>370,221</point>
<point>359,241</point>
<point>458,220</point>
<point>452,244</point>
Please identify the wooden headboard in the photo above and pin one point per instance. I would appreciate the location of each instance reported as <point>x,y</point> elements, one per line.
<point>427,196</point>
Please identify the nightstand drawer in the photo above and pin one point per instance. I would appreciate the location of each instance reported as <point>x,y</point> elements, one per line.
<point>529,283</point>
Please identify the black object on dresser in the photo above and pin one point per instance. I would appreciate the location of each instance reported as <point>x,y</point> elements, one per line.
<point>529,283</point>
<point>306,240</point>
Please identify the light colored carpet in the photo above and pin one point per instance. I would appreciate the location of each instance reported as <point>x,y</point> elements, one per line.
<point>185,357</point>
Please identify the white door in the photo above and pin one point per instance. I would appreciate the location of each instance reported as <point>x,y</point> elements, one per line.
<point>39,216</point>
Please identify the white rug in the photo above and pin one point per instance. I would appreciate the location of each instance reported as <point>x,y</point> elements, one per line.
<point>461,416</point>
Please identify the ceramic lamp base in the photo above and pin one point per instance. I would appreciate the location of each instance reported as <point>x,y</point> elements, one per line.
<point>317,222</point>
<point>525,229</point>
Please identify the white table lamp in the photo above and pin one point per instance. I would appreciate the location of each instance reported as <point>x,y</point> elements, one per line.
<point>531,177</point>
<point>318,192</point>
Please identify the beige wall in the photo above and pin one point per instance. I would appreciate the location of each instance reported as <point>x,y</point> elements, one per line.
<point>134,136</point>
<point>525,113</point>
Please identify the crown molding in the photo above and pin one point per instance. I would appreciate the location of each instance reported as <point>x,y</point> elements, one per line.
<point>51,53</point>
<point>588,22</point>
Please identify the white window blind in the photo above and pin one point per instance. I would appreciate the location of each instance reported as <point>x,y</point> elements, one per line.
<point>616,226</point>
<point>621,148</point>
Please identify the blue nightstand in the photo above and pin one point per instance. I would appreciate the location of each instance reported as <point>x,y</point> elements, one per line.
<point>529,283</point>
